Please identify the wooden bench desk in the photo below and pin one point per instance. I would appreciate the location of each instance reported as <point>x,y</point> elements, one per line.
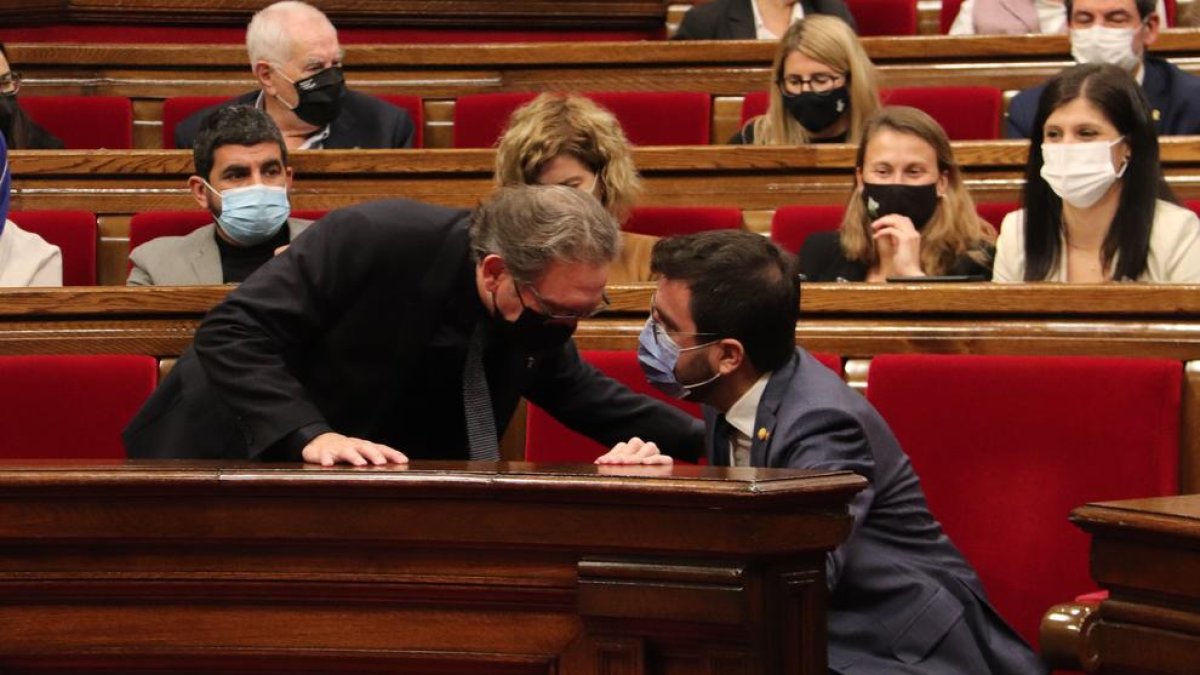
<point>436,567</point>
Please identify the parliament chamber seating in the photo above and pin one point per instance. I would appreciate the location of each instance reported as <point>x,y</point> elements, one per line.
<point>884,17</point>
<point>648,117</point>
<point>74,233</point>
<point>1006,446</point>
<point>966,113</point>
<point>994,212</point>
<point>791,225</point>
<point>154,224</point>
<point>178,108</point>
<point>84,122</point>
<point>664,221</point>
<point>548,441</point>
<point>949,10</point>
<point>71,406</point>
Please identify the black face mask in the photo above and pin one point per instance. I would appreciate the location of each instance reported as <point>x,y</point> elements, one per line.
<point>915,202</point>
<point>817,112</point>
<point>8,112</point>
<point>321,97</point>
<point>532,331</point>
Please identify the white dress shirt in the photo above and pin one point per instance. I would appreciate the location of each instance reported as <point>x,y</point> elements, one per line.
<point>760,28</point>
<point>741,416</point>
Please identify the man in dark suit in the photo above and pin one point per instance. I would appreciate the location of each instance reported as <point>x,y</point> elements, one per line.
<point>297,61</point>
<point>1119,32</point>
<point>722,331</point>
<point>736,19</point>
<point>397,327</point>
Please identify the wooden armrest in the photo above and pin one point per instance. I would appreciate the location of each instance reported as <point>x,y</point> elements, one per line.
<point>1066,636</point>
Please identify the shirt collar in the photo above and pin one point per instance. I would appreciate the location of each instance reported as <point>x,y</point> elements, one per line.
<point>314,141</point>
<point>742,413</point>
<point>760,29</point>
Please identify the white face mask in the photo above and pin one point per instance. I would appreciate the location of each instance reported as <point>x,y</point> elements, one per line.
<point>1080,173</point>
<point>1100,44</point>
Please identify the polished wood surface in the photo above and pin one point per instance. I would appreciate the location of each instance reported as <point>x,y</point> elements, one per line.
<point>1146,553</point>
<point>439,73</point>
<point>438,567</point>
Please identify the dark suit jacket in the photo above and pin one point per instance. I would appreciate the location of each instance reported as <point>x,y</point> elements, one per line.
<point>364,122</point>
<point>902,599</point>
<point>1174,99</point>
<point>335,331</point>
<point>734,19</point>
<point>822,259</point>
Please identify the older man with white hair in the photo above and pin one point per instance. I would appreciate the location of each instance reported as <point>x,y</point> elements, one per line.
<point>296,58</point>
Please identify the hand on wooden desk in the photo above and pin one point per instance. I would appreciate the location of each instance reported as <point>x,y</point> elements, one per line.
<point>330,448</point>
<point>634,451</point>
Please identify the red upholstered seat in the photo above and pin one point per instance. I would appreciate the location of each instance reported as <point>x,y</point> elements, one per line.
<point>179,108</point>
<point>84,122</point>
<point>884,17</point>
<point>62,407</point>
<point>664,221</point>
<point>950,10</point>
<point>791,225</point>
<point>648,117</point>
<point>994,212</point>
<point>548,441</point>
<point>153,224</point>
<point>1193,204</point>
<point>966,113</point>
<point>73,232</point>
<point>1006,446</point>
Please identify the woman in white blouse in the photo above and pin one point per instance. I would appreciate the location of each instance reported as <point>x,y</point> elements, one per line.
<point>25,258</point>
<point>1096,205</point>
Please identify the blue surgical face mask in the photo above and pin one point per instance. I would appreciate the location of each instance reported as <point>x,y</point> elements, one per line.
<point>253,214</point>
<point>658,355</point>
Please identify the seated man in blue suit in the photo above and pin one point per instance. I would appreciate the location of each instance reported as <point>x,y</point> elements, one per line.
<point>297,61</point>
<point>722,332</point>
<point>1119,32</point>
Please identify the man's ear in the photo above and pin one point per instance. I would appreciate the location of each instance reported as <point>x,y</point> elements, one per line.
<point>731,355</point>
<point>1153,23</point>
<point>492,269</point>
<point>265,76</point>
<point>199,191</point>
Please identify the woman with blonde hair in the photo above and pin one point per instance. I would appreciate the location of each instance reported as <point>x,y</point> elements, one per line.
<point>909,215</point>
<point>566,139</point>
<point>823,88</point>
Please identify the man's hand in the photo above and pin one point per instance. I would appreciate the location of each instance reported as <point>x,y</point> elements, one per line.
<point>330,448</point>
<point>634,451</point>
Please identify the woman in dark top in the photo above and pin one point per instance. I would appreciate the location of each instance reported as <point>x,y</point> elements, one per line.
<point>909,214</point>
<point>736,20</point>
<point>20,131</point>
<point>823,88</point>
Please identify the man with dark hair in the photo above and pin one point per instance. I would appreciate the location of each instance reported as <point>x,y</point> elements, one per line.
<point>1120,32</point>
<point>242,179</point>
<point>722,332</point>
<point>394,330</point>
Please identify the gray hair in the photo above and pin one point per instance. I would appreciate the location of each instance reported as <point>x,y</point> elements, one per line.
<point>267,36</point>
<point>531,226</point>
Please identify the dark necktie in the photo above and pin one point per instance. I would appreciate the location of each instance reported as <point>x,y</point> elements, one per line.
<point>722,431</point>
<point>477,402</point>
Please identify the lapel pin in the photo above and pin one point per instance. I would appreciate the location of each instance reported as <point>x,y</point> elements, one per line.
<point>1155,115</point>
<point>763,434</point>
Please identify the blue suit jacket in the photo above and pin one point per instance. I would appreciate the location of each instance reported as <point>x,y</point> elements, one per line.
<point>902,598</point>
<point>1174,98</point>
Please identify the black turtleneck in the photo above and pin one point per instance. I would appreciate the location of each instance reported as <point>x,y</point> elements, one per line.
<point>238,262</point>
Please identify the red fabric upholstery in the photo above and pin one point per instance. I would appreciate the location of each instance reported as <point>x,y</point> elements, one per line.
<point>73,232</point>
<point>1006,446</point>
<point>966,113</point>
<point>84,122</point>
<point>994,212</point>
<point>548,441</point>
<point>648,117</point>
<point>153,224</point>
<point>791,225</point>
<point>126,34</point>
<point>830,361</point>
<point>884,17</point>
<point>178,108</point>
<point>664,221</point>
<point>1193,204</point>
<point>62,407</point>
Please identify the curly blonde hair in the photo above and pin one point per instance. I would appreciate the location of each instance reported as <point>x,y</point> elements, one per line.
<point>954,230</point>
<point>568,124</point>
<point>829,40</point>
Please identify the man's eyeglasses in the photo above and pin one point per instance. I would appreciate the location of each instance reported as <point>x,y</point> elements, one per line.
<point>663,335</point>
<point>10,83</point>
<point>821,83</point>
<point>557,314</point>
